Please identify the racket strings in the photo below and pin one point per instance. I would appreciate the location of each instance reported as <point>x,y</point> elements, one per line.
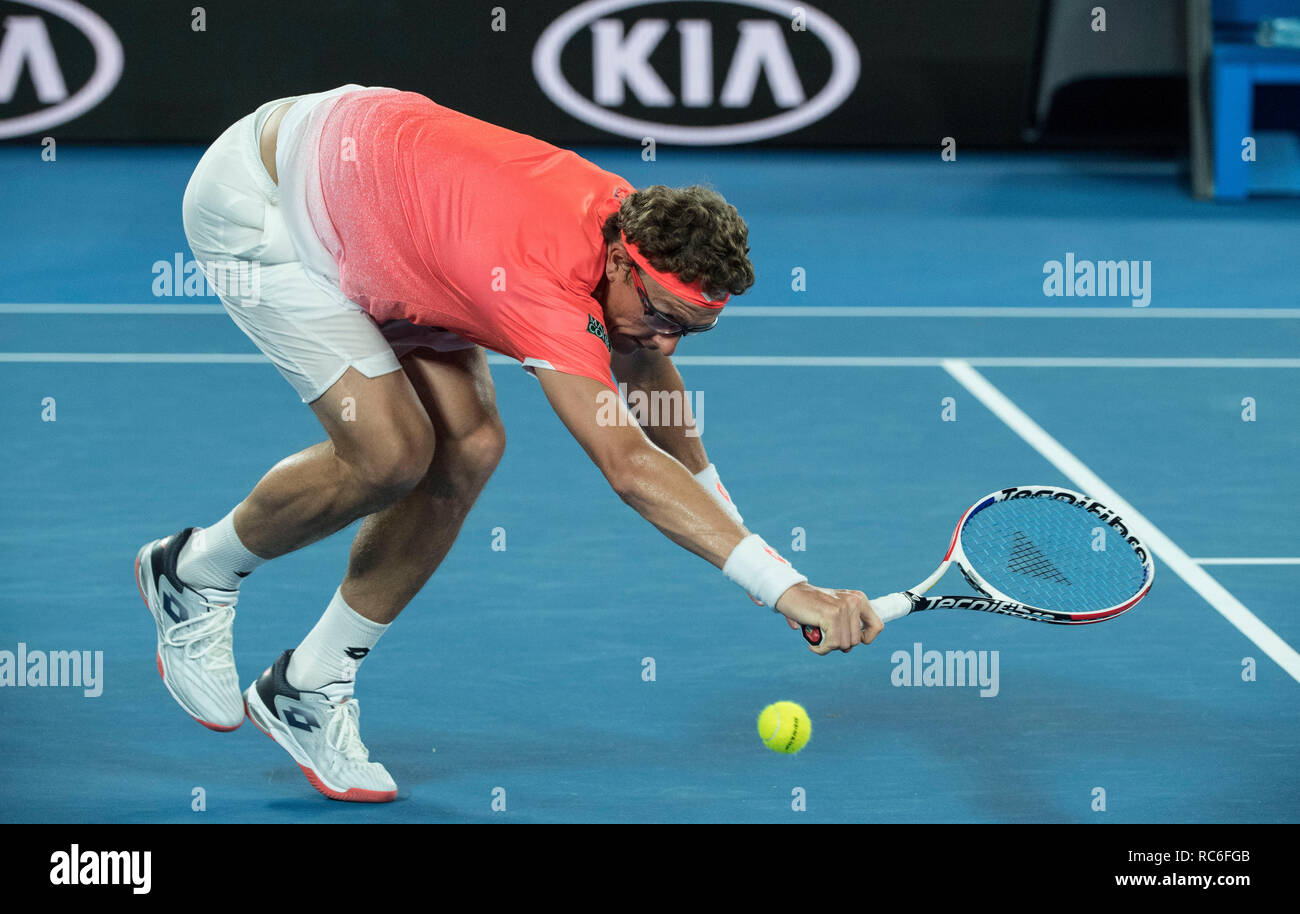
<point>1051,554</point>
<point>1027,558</point>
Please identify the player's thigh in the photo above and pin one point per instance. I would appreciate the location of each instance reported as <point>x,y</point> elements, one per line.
<point>378,426</point>
<point>456,391</point>
<point>338,362</point>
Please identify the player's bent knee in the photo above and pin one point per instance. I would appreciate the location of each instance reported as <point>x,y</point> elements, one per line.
<point>393,463</point>
<point>483,448</point>
<point>467,462</point>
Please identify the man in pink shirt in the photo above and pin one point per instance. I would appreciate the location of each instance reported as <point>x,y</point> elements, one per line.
<point>394,240</point>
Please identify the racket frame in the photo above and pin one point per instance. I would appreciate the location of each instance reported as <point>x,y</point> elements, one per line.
<point>990,599</point>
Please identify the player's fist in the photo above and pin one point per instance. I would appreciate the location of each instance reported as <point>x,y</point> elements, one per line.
<point>845,617</point>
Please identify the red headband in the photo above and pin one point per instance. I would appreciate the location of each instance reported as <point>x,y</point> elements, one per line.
<point>692,292</point>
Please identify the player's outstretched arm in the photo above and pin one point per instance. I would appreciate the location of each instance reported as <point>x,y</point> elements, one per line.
<point>663,491</point>
<point>649,371</point>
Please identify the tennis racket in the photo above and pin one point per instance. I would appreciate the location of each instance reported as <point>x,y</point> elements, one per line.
<point>1035,552</point>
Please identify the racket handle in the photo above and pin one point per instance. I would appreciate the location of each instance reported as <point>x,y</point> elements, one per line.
<point>892,606</point>
<point>889,607</point>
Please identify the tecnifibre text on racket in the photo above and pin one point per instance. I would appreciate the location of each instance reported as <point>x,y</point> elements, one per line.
<point>1035,552</point>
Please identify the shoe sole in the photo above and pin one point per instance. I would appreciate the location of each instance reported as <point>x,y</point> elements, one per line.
<point>220,728</point>
<point>289,745</point>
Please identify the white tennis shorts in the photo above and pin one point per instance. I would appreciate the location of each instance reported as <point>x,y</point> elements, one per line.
<point>298,317</point>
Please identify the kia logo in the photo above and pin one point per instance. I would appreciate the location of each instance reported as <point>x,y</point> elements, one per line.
<point>622,71</point>
<point>26,47</point>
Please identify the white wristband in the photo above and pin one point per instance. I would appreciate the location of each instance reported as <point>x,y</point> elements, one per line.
<point>708,477</point>
<point>757,567</point>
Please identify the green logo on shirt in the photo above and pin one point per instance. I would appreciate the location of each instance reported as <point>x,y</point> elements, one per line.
<point>594,327</point>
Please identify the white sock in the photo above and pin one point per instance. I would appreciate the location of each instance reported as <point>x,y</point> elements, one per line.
<point>214,557</point>
<point>333,650</point>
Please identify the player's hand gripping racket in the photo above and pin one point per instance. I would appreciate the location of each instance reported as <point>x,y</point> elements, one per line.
<point>1035,552</point>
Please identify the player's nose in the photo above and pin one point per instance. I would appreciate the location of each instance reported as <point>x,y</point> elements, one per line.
<point>666,344</point>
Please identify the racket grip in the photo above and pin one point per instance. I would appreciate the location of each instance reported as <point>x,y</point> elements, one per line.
<point>892,606</point>
<point>889,607</point>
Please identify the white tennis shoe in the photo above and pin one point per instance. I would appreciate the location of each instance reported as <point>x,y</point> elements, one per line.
<point>195,655</point>
<point>321,731</point>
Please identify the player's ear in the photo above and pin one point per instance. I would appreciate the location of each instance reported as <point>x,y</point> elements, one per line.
<point>616,260</point>
<point>611,260</point>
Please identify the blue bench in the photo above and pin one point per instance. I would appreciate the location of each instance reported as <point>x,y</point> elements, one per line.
<point>1238,65</point>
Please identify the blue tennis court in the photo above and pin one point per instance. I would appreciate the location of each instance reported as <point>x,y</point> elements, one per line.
<point>592,671</point>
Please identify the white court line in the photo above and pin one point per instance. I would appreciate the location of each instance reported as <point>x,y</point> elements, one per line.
<point>923,311</point>
<point>1087,481</point>
<point>1250,561</point>
<point>142,358</point>
<point>927,311</point>
<point>716,361</point>
<point>866,361</point>
<point>110,309</point>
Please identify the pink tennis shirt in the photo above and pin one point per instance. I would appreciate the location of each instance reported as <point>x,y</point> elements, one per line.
<point>449,221</point>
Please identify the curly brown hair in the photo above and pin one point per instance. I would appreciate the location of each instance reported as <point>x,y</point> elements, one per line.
<point>691,232</point>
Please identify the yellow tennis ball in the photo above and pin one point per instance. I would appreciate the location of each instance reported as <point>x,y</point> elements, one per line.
<point>784,727</point>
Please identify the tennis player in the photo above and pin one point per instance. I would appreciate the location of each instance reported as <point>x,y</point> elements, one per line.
<point>394,241</point>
